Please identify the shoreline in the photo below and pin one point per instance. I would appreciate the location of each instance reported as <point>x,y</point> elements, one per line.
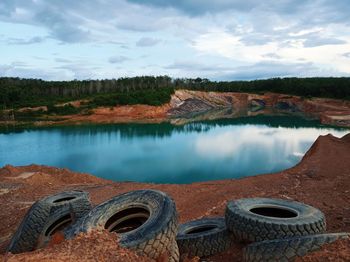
<point>205,106</point>
<point>323,169</point>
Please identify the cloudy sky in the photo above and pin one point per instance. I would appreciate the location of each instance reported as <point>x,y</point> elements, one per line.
<point>221,39</point>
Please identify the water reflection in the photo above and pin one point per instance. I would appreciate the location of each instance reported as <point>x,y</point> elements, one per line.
<point>253,149</point>
<point>165,153</point>
<point>229,142</point>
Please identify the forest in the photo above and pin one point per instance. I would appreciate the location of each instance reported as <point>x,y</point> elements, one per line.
<point>17,92</point>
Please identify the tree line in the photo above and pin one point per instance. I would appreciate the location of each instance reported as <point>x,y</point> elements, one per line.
<point>330,87</point>
<point>18,92</point>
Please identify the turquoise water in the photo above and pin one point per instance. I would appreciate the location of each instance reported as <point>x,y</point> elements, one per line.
<point>165,153</point>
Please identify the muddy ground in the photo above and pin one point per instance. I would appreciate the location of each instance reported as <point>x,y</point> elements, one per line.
<point>322,179</point>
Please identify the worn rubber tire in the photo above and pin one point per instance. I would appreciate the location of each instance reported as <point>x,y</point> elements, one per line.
<point>72,204</point>
<point>26,237</point>
<point>152,238</point>
<point>204,243</point>
<point>288,249</point>
<point>76,202</point>
<point>247,226</point>
<point>73,229</point>
<point>173,252</point>
<point>45,213</point>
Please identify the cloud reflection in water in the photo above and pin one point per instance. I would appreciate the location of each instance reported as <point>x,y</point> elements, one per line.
<point>164,153</point>
<point>255,148</point>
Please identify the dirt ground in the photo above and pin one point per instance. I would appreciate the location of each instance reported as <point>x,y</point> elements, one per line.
<point>95,246</point>
<point>321,179</point>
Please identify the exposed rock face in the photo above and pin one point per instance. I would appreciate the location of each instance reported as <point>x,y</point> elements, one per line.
<point>336,118</point>
<point>186,102</point>
<point>257,103</point>
<point>190,105</point>
<point>286,106</point>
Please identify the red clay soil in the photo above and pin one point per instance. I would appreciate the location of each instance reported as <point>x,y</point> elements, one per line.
<point>321,179</point>
<point>122,114</point>
<point>94,246</point>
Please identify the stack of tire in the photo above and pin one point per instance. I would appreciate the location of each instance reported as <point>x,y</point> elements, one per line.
<point>280,230</point>
<point>277,230</point>
<point>147,222</point>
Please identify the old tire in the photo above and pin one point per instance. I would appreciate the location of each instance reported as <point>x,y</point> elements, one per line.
<point>145,221</point>
<point>75,202</point>
<point>258,219</point>
<point>203,237</point>
<point>26,237</point>
<point>47,216</point>
<point>66,208</point>
<point>173,252</point>
<point>288,249</point>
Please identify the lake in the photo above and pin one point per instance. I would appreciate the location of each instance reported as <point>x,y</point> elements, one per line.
<point>166,153</point>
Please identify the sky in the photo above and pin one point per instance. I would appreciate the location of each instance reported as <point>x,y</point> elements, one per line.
<point>219,40</point>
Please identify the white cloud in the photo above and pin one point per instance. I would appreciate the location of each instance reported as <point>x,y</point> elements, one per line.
<point>319,51</point>
<point>215,39</point>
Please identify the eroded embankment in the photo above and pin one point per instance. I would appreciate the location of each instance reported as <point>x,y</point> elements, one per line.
<point>329,111</point>
<point>322,179</point>
<point>209,105</point>
<point>215,105</point>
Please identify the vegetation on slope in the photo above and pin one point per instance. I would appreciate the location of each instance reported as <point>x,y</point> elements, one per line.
<point>338,88</point>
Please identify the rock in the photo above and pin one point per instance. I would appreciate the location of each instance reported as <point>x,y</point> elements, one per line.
<point>257,103</point>
<point>284,105</point>
<point>189,106</point>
